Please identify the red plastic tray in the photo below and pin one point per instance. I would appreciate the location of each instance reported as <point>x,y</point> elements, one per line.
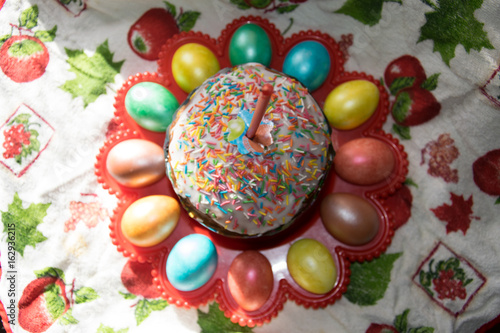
<point>275,248</point>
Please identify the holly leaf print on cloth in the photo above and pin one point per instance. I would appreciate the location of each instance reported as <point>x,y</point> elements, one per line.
<point>93,73</point>
<point>368,12</point>
<point>214,321</point>
<point>369,280</point>
<point>458,215</point>
<point>107,329</point>
<point>452,23</point>
<point>24,222</point>
<point>144,308</point>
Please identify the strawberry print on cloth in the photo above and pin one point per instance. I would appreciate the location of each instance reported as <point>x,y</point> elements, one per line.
<point>399,325</point>
<point>448,279</point>
<point>23,137</point>
<point>486,171</point>
<point>413,102</point>
<point>49,299</point>
<point>137,279</point>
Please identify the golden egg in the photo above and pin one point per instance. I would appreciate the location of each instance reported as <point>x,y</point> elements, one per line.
<point>150,220</point>
<point>192,64</point>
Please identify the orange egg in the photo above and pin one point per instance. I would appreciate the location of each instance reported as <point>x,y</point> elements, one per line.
<point>150,220</point>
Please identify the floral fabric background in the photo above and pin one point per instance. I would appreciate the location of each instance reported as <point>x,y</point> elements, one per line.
<point>62,62</point>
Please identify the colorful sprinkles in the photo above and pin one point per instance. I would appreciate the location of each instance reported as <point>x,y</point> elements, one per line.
<point>248,194</point>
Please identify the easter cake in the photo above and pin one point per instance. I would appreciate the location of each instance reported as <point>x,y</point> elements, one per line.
<point>248,185</point>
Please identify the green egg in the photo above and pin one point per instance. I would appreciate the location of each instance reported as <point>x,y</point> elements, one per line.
<point>151,105</point>
<point>250,43</point>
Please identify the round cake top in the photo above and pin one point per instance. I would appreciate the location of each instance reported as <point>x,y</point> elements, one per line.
<point>247,186</point>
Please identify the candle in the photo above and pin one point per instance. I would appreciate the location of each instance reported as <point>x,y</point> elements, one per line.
<point>260,109</point>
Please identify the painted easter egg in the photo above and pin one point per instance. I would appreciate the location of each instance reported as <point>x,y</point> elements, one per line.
<point>136,163</point>
<point>250,280</point>
<point>150,220</point>
<point>350,104</point>
<point>364,161</point>
<point>250,43</point>
<point>191,262</point>
<point>309,62</point>
<point>311,265</point>
<point>349,218</point>
<point>151,105</point>
<point>192,64</point>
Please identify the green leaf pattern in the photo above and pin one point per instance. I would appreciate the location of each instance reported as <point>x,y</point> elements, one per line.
<point>25,222</point>
<point>369,280</point>
<point>92,73</point>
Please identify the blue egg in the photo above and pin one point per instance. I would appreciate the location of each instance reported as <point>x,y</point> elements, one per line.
<point>308,62</point>
<point>191,262</point>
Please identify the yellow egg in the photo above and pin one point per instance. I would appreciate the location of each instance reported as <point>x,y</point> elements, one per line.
<point>192,64</point>
<point>150,220</point>
<point>351,104</point>
<point>311,265</point>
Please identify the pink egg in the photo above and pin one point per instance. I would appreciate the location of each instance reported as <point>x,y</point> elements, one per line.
<point>250,280</point>
<point>136,163</point>
<point>364,161</point>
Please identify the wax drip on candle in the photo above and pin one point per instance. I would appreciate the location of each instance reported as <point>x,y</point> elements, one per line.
<point>260,109</point>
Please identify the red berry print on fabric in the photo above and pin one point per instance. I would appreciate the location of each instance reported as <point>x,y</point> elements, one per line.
<point>46,300</point>
<point>90,213</point>
<point>148,34</point>
<point>137,278</point>
<point>458,215</point>
<point>23,137</point>
<point>442,152</point>
<point>448,287</point>
<point>448,279</point>
<point>486,172</point>
<point>2,2</point>
<point>20,141</point>
<point>24,57</point>
<point>344,44</point>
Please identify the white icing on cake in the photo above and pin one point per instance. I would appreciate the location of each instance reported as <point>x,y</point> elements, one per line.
<point>247,194</point>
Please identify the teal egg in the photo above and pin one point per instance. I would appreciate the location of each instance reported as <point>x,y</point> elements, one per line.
<point>191,262</point>
<point>151,105</point>
<point>309,62</point>
<point>250,43</point>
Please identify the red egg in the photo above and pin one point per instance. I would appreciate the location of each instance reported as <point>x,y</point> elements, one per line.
<point>250,280</point>
<point>349,218</point>
<point>364,161</point>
